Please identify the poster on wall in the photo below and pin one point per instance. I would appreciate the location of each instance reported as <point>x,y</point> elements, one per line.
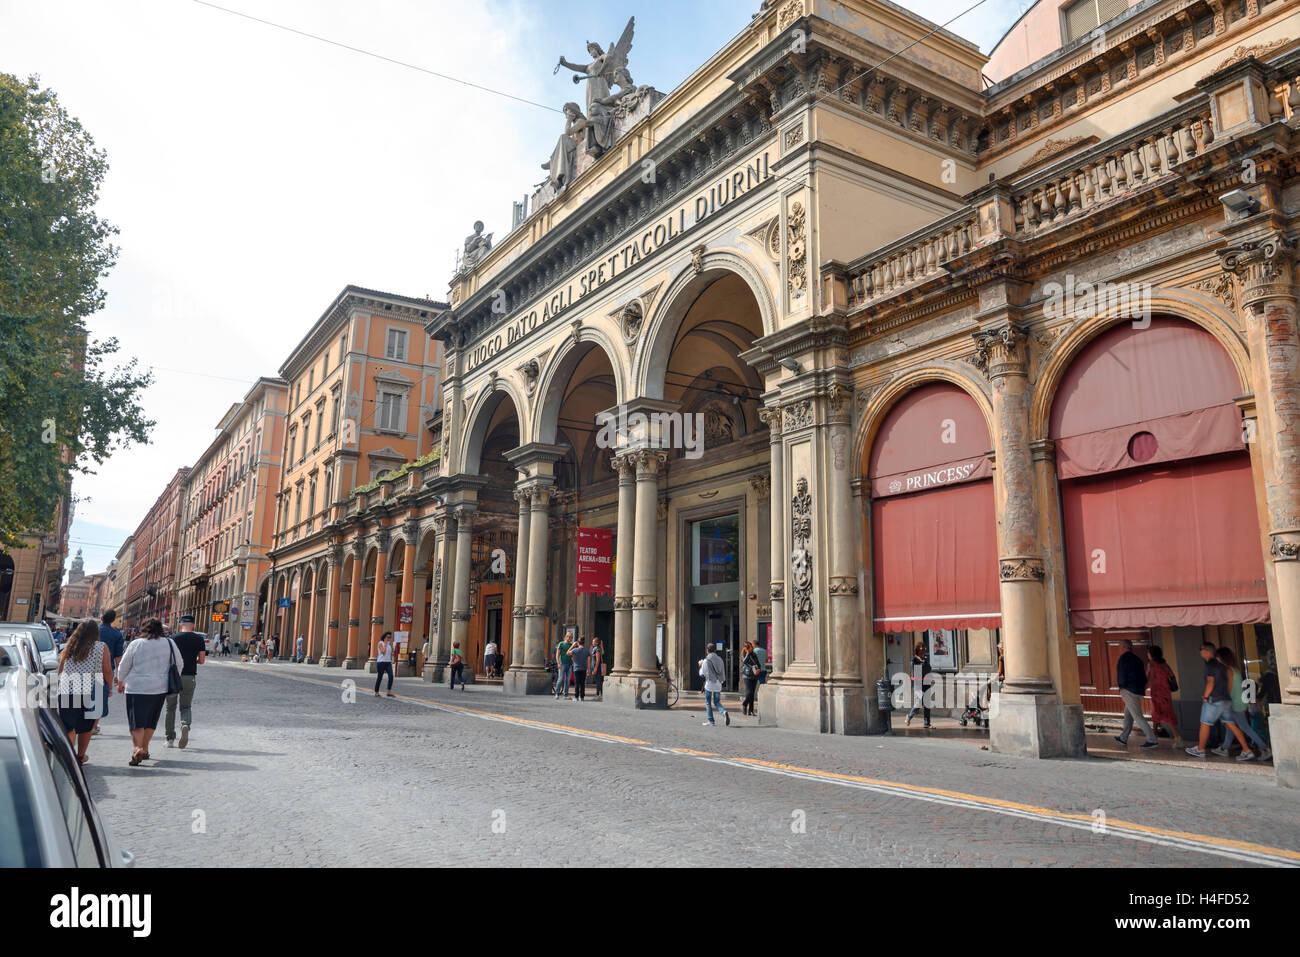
<point>595,572</point>
<point>943,649</point>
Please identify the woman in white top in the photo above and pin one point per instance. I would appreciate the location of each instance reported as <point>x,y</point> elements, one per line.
<point>384,662</point>
<point>83,664</point>
<point>142,674</point>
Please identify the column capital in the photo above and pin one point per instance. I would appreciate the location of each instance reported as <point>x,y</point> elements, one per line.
<point>383,538</point>
<point>358,548</point>
<point>1001,351</point>
<point>1264,268</point>
<point>464,515</point>
<point>624,465</point>
<point>411,531</point>
<point>648,462</point>
<point>334,554</point>
<point>762,485</point>
<point>771,417</point>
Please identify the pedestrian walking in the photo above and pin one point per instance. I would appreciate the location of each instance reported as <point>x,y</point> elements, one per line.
<point>581,655</point>
<point>297,651</point>
<point>1216,704</point>
<point>920,672</point>
<point>85,682</point>
<point>143,676</point>
<point>193,653</point>
<point>490,658</point>
<point>384,663</point>
<point>1228,659</point>
<point>749,669</point>
<point>273,648</point>
<point>598,667</point>
<point>457,666</point>
<point>1163,684</point>
<point>1131,679</point>
<point>113,641</point>
<point>563,667</point>
<point>713,673</point>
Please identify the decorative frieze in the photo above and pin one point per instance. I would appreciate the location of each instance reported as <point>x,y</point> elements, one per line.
<point>650,602</point>
<point>1020,569</point>
<point>798,415</point>
<point>843,585</point>
<point>762,485</point>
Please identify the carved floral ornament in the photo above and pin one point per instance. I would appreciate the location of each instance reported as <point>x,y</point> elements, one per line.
<point>1020,569</point>
<point>798,250</point>
<point>801,559</point>
<point>799,415</point>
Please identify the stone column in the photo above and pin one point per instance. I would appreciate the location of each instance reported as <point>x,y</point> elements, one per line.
<point>772,417</point>
<point>534,609</point>
<point>460,591</point>
<point>377,597</point>
<point>354,604</point>
<point>645,568</point>
<point>313,616</point>
<point>1265,271</point>
<point>1027,718</point>
<point>411,532</point>
<point>625,558</point>
<point>524,497</point>
<point>333,597</point>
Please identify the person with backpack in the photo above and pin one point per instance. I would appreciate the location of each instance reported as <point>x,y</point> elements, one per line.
<point>714,673</point>
<point>1163,684</point>
<point>750,666</point>
<point>457,666</point>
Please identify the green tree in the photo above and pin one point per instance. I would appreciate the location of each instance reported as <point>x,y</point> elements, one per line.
<point>63,405</point>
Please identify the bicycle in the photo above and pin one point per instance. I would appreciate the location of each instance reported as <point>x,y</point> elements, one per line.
<point>671,691</point>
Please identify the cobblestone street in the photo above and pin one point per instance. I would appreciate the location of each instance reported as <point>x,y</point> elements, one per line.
<point>282,771</point>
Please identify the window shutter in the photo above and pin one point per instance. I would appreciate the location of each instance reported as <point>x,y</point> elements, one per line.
<point>1110,9</point>
<point>1080,17</point>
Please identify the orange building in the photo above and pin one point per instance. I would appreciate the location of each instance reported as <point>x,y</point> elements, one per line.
<point>229,518</point>
<point>364,396</point>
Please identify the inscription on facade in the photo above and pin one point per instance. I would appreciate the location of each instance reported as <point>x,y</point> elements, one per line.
<point>662,231</point>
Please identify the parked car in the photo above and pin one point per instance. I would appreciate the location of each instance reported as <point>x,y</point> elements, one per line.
<point>47,817</point>
<point>38,638</point>
<point>17,650</point>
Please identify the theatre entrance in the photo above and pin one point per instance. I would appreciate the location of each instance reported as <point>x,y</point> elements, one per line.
<point>715,597</point>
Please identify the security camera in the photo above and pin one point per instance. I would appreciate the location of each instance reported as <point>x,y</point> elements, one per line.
<point>790,364</point>
<point>1240,202</point>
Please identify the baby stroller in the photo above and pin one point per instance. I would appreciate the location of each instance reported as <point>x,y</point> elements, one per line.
<point>977,708</point>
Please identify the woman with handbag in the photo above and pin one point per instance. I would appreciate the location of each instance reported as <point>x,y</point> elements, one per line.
<point>1163,684</point>
<point>85,677</point>
<point>148,672</point>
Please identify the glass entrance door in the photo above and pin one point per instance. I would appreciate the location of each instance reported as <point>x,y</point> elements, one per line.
<point>716,627</point>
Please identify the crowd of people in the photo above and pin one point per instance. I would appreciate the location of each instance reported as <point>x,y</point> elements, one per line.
<point>152,669</point>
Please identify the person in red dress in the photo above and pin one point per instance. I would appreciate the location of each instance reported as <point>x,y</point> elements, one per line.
<point>1160,678</point>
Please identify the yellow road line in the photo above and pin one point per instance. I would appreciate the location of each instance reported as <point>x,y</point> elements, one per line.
<point>1032,809</point>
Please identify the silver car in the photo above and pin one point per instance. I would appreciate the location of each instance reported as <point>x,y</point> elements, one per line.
<point>29,635</point>
<point>47,818</point>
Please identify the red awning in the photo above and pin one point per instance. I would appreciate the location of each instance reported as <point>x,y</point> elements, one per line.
<point>934,557</point>
<point>1171,545</point>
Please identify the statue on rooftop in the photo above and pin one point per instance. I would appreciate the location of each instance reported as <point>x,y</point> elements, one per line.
<point>605,68</point>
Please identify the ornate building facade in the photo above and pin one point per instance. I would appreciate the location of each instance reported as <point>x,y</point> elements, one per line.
<point>1010,364</point>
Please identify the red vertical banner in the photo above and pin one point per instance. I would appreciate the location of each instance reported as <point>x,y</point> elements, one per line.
<point>595,573</point>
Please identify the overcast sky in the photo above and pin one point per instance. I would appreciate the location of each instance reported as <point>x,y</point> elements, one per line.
<point>254,173</point>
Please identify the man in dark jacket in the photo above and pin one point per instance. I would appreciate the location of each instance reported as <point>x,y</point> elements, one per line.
<point>112,639</point>
<point>1131,677</point>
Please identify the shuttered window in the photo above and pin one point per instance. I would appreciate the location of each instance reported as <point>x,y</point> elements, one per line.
<point>1084,15</point>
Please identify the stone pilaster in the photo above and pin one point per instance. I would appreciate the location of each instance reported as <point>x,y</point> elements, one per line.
<point>1029,718</point>
<point>1264,267</point>
<point>846,692</point>
<point>772,418</point>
